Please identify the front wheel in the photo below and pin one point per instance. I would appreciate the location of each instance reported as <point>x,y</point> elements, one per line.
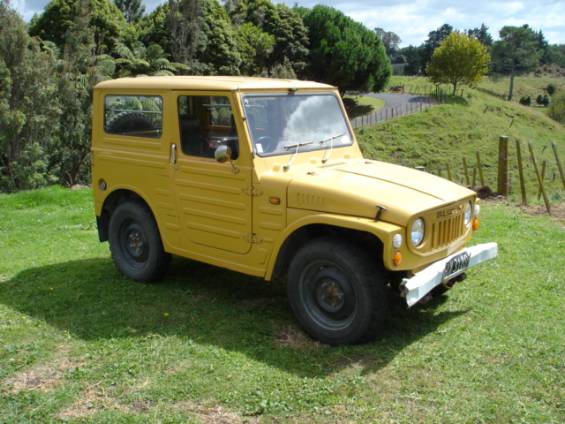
<point>337,292</point>
<point>135,243</point>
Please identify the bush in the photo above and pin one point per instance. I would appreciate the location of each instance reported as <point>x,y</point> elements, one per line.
<point>542,100</point>
<point>526,100</point>
<point>551,89</point>
<point>557,108</point>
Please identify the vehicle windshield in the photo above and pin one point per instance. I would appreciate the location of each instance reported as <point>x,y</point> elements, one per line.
<point>282,123</point>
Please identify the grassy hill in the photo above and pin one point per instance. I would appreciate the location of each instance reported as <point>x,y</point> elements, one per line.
<point>81,343</point>
<point>529,85</point>
<point>446,133</point>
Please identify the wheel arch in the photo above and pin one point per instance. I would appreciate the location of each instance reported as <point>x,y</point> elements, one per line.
<point>111,202</point>
<point>371,234</point>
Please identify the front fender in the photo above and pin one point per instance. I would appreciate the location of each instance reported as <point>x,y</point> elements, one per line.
<point>298,219</point>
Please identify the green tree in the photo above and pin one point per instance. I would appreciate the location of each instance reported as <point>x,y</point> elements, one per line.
<point>517,52</point>
<point>133,10</point>
<point>196,33</point>
<point>459,59</point>
<point>80,69</point>
<point>291,35</point>
<point>481,34</point>
<point>434,40</point>
<point>256,47</point>
<point>28,114</point>
<point>556,54</point>
<point>141,60</point>
<point>236,10</point>
<point>344,52</point>
<point>413,57</point>
<point>107,23</point>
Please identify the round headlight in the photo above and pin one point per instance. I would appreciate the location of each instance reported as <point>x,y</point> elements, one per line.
<point>397,241</point>
<point>417,232</point>
<point>468,213</point>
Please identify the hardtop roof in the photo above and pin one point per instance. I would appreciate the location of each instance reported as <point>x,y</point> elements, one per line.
<point>229,83</point>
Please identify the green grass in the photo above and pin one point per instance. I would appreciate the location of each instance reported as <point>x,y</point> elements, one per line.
<point>80,342</point>
<point>361,105</point>
<point>529,85</point>
<point>447,133</point>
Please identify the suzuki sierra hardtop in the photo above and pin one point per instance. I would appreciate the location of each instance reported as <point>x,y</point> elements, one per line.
<point>265,177</point>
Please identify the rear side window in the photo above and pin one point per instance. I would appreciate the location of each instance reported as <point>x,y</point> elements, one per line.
<point>139,116</point>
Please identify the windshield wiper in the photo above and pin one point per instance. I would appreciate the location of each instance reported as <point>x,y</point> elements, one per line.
<point>331,140</point>
<point>297,145</point>
<point>292,146</point>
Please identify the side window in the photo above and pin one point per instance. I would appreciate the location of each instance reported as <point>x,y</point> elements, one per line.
<point>205,123</point>
<point>139,116</point>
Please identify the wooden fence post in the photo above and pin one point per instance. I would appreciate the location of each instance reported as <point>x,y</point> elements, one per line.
<point>521,173</point>
<point>481,175</point>
<point>554,147</point>
<point>503,165</point>
<point>474,177</point>
<point>540,182</point>
<point>543,166</point>
<point>466,172</point>
<point>449,176</point>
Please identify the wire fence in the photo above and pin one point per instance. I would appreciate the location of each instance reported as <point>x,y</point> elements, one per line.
<point>430,95</point>
<point>387,113</point>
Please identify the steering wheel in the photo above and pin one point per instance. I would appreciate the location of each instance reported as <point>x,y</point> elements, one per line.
<point>267,143</point>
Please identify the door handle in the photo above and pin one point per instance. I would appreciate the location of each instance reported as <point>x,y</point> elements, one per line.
<point>173,155</point>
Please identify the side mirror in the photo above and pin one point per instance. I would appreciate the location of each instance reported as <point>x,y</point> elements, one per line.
<point>223,153</point>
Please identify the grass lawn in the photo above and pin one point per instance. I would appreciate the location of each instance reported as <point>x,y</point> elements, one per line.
<point>80,342</point>
<point>361,105</point>
<point>447,133</point>
<point>528,85</point>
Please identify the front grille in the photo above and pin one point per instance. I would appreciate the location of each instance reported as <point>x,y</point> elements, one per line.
<point>446,230</point>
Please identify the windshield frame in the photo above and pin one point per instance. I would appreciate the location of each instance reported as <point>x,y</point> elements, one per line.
<point>292,93</point>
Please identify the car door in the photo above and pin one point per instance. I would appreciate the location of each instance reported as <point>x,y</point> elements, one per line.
<point>213,199</point>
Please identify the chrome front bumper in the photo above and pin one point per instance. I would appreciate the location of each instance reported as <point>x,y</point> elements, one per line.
<point>419,285</point>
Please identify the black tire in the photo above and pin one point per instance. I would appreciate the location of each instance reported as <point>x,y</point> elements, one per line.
<point>135,243</point>
<point>337,292</point>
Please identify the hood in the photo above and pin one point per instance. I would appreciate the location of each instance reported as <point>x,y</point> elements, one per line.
<point>357,187</point>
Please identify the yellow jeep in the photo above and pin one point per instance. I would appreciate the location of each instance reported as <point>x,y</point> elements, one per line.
<point>265,177</point>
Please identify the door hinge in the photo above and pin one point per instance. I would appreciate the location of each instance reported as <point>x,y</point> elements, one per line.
<point>252,191</point>
<point>252,238</point>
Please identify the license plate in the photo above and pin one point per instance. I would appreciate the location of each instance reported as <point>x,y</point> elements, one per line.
<point>456,265</point>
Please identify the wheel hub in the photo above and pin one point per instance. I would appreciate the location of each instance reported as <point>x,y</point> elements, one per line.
<point>136,243</point>
<point>330,295</point>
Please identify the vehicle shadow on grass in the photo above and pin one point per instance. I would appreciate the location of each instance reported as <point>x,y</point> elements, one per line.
<point>206,305</point>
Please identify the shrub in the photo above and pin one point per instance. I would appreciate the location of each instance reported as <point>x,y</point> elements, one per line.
<point>557,108</point>
<point>550,89</point>
<point>542,100</point>
<point>526,100</point>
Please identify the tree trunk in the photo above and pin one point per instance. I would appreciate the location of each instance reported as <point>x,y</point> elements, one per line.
<point>454,87</point>
<point>511,89</point>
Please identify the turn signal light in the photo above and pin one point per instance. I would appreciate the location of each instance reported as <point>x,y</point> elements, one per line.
<point>397,258</point>
<point>476,224</point>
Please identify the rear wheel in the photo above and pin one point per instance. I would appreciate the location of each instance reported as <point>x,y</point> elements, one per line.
<point>337,292</point>
<point>135,243</point>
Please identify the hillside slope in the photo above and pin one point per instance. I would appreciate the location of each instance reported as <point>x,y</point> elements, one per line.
<point>446,133</point>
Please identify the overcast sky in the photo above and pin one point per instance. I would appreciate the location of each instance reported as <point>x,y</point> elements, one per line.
<point>413,19</point>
